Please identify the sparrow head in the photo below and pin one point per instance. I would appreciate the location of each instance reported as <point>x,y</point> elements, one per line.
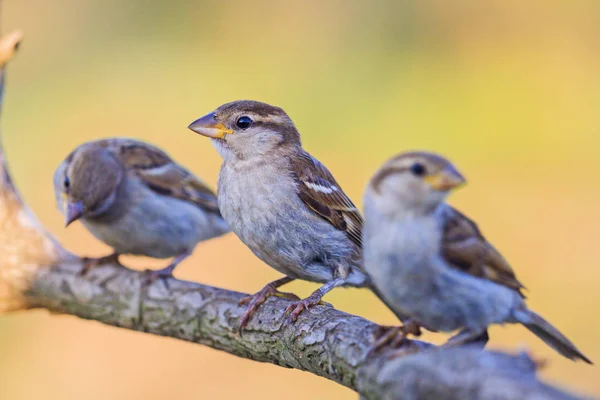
<point>245,129</point>
<point>415,182</point>
<point>86,183</point>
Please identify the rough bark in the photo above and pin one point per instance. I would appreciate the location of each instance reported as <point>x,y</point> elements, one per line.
<point>35,272</point>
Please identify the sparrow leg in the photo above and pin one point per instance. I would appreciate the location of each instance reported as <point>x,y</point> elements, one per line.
<point>254,301</point>
<point>296,308</point>
<point>468,337</point>
<point>166,272</point>
<point>394,335</point>
<point>409,327</point>
<point>91,263</point>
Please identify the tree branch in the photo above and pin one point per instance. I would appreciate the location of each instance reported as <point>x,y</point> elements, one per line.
<point>35,272</point>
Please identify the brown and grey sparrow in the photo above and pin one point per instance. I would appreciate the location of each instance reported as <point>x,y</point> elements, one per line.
<point>283,203</point>
<point>133,197</point>
<point>431,263</point>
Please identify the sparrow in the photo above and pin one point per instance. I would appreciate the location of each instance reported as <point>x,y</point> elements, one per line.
<point>283,203</point>
<point>433,264</point>
<point>136,199</point>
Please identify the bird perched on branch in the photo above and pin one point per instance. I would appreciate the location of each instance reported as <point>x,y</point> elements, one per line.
<point>432,263</point>
<point>283,203</point>
<point>133,197</point>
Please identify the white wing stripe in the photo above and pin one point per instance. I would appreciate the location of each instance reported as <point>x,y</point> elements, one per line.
<point>321,189</point>
<point>160,170</point>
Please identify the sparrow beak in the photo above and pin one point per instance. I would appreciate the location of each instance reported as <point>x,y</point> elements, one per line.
<point>209,126</point>
<point>447,179</point>
<point>74,211</point>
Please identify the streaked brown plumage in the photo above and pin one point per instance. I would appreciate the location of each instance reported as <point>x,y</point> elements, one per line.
<point>135,198</point>
<point>465,248</point>
<point>433,264</point>
<point>336,207</point>
<point>282,202</point>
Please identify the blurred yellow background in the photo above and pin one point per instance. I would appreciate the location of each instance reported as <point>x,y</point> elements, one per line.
<point>509,90</point>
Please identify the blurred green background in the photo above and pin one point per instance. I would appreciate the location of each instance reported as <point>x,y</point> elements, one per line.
<point>508,89</point>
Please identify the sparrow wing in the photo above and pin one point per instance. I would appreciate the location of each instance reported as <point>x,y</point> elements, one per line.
<point>321,193</point>
<point>161,174</point>
<point>465,248</point>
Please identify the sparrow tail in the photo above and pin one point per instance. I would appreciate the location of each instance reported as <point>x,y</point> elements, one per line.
<point>549,334</point>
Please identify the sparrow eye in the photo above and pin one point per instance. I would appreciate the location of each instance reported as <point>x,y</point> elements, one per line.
<point>244,122</point>
<point>67,183</point>
<point>418,169</point>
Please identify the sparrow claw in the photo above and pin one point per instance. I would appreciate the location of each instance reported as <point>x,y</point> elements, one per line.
<point>90,263</point>
<point>254,302</point>
<point>246,300</point>
<point>166,272</point>
<point>395,336</point>
<point>292,311</point>
<point>384,335</point>
<point>296,308</point>
<point>152,276</point>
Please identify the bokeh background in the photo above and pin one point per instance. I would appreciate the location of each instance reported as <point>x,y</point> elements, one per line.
<point>509,90</point>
